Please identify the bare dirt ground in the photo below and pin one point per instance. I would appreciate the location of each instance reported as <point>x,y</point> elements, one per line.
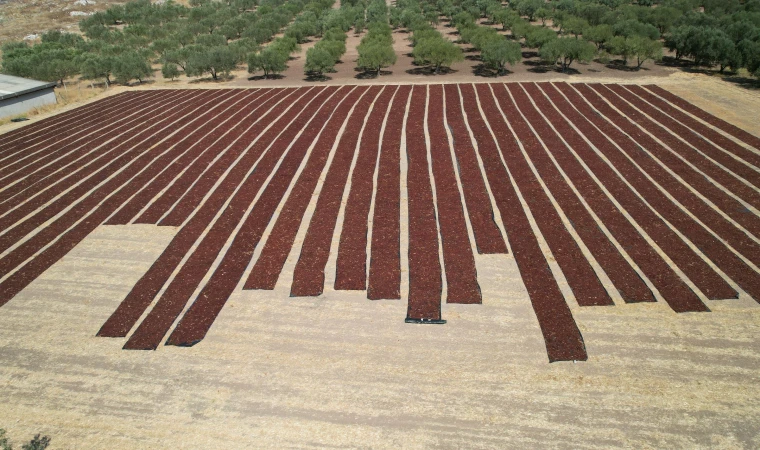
<point>341,371</point>
<point>21,18</point>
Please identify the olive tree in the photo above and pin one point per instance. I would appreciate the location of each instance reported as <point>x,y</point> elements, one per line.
<point>498,53</point>
<point>566,51</point>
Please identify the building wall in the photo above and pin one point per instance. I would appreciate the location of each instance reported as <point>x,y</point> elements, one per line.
<point>23,103</point>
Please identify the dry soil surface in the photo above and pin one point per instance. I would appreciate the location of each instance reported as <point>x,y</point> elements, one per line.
<point>341,371</point>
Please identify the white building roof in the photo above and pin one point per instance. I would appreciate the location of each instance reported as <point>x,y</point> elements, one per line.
<point>11,86</point>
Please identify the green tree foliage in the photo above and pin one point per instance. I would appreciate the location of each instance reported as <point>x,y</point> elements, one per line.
<point>52,60</point>
<point>506,17</point>
<point>528,7</point>
<point>630,28</point>
<point>272,60</point>
<point>318,62</point>
<point>543,14</point>
<point>376,48</point>
<point>131,66</point>
<point>437,52</point>
<point>206,37</point>
<point>377,11</point>
<point>170,71</point>
<point>575,25</point>
<point>537,37</point>
<point>216,61</point>
<point>94,66</point>
<point>497,54</point>
<point>598,34</point>
<point>566,51</point>
<point>639,47</point>
<point>375,56</point>
<point>708,46</point>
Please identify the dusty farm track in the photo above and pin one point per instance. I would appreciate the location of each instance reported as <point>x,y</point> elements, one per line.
<point>625,194</point>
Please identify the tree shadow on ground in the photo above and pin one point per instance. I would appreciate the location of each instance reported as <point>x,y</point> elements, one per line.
<point>316,77</point>
<point>370,75</point>
<point>669,61</point>
<point>428,71</point>
<point>481,70</point>
<point>744,82</point>
<point>688,66</point>
<point>275,76</point>
<point>140,83</point>
<point>544,67</point>
<point>538,66</point>
<point>220,78</point>
<point>620,65</point>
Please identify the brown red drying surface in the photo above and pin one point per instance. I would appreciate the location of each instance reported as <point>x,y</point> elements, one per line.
<point>726,203</point>
<point>309,273</point>
<point>156,324</point>
<point>488,237</point>
<point>580,275</point>
<point>351,270</point>
<point>65,172</point>
<point>706,279</point>
<point>690,124</point>
<point>708,244</point>
<point>186,169</point>
<point>146,289</point>
<point>424,264</point>
<point>85,179</point>
<point>678,295</point>
<point>267,269</point>
<point>628,283</point>
<point>40,160</point>
<point>385,255</point>
<point>125,184</point>
<point>563,339</point>
<point>709,216</point>
<point>91,117</point>
<point>459,263</point>
<point>219,163</point>
<point>200,178</point>
<point>198,319</point>
<point>717,122</point>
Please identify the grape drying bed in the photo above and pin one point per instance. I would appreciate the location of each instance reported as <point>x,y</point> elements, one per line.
<point>628,181</point>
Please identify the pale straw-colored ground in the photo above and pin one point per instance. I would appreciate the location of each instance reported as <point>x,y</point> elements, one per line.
<point>341,371</point>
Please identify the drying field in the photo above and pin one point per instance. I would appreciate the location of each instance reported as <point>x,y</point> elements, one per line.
<point>624,193</point>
